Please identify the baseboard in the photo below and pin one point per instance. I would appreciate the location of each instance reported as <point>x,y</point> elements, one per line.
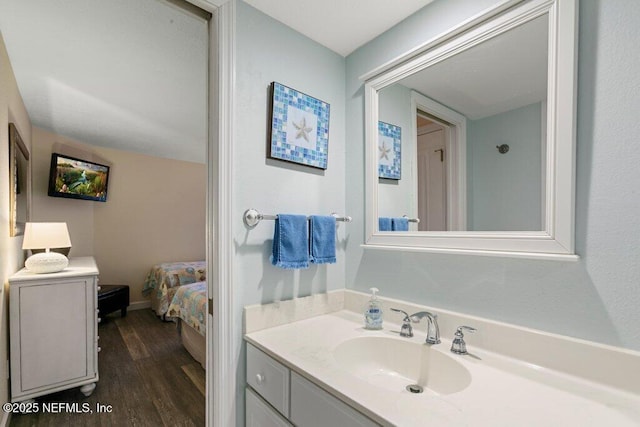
<point>139,305</point>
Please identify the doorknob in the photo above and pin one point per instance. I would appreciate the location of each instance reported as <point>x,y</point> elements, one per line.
<point>441,150</point>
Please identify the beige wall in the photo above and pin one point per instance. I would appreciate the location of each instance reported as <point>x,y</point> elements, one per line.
<point>155,210</point>
<point>11,255</point>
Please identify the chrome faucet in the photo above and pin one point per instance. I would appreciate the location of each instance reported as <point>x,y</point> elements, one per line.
<point>407,329</point>
<point>433,331</point>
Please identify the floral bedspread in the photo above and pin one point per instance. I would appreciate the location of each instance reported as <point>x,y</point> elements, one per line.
<point>164,277</point>
<point>190,304</point>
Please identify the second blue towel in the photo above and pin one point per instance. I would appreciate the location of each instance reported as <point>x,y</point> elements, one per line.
<point>400,224</point>
<point>322,245</point>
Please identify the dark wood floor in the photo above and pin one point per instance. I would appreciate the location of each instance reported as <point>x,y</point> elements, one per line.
<point>146,375</point>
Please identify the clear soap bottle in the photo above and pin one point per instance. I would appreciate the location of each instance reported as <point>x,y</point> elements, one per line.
<point>373,312</point>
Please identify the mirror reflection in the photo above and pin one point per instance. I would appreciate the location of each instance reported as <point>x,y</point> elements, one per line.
<point>472,138</point>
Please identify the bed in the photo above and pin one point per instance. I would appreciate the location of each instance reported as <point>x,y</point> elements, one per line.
<point>189,307</point>
<point>164,279</point>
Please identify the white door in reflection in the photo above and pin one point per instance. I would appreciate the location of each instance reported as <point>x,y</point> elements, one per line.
<point>432,175</point>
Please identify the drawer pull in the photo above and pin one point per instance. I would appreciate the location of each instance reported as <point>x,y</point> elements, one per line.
<point>260,379</point>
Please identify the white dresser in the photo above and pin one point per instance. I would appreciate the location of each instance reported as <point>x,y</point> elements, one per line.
<point>54,330</point>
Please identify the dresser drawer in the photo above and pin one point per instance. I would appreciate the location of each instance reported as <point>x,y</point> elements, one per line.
<point>269,378</point>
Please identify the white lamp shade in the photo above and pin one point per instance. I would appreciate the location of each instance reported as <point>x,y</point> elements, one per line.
<point>46,235</point>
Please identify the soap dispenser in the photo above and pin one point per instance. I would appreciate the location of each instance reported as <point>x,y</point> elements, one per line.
<point>373,312</point>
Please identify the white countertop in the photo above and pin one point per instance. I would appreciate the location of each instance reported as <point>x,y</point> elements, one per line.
<point>503,391</point>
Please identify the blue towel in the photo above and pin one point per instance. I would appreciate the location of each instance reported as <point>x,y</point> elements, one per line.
<point>291,242</point>
<point>384,224</point>
<point>323,239</point>
<point>400,224</point>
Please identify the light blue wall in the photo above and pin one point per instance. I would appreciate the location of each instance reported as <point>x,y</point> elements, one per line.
<point>504,191</point>
<point>596,298</point>
<point>268,51</point>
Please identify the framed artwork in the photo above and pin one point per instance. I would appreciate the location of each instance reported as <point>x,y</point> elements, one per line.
<point>19,183</point>
<point>389,141</point>
<point>299,127</point>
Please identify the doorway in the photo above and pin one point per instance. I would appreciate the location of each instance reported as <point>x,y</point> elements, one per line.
<point>432,172</point>
<point>439,165</point>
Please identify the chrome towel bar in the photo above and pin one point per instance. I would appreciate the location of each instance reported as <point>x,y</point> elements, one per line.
<point>416,220</point>
<point>252,217</point>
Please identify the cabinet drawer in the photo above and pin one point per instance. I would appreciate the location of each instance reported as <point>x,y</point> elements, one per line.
<point>269,378</point>
<point>313,407</point>
<point>260,414</point>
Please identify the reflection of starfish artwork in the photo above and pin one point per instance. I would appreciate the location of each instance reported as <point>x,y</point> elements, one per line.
<point>384,151</point>
<point>302,129</point>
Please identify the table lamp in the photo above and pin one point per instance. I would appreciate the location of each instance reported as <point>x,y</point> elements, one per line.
<point>46,235</point>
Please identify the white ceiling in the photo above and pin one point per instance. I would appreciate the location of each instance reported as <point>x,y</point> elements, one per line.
<point>341,25</point>
<point>124,74</point>
<point>131,74</point>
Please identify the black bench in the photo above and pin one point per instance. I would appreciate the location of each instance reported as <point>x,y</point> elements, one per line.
<point>112,298</point>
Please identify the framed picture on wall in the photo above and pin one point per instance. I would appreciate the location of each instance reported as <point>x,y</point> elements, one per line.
<point>389,146</point>
<point>299,127</point>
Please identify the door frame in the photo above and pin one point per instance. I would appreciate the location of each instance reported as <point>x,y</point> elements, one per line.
<point>221,364</point>
<point>456,160</point>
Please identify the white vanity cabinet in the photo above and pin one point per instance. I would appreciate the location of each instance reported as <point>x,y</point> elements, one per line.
<point>275,392</point>
<point>313,407</point>
<point>53,332</point>
<point>260,414</point>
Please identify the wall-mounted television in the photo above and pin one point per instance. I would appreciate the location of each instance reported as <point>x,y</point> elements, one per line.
<point>77,179</point>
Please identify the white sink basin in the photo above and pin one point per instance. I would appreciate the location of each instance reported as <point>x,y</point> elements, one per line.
<point>393,364</point>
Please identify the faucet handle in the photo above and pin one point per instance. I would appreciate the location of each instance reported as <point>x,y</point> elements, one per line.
<point>458,346</point>
<point>406,316</point>
<point>406,330</point>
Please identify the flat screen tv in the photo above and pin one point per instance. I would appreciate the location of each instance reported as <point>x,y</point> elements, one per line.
<point>77,179</point>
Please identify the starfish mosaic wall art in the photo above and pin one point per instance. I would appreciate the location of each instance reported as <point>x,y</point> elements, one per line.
<point>299,127</point>
<point>389,145</point>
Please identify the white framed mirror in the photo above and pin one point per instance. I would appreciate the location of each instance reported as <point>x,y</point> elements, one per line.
<point>471,138</point>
